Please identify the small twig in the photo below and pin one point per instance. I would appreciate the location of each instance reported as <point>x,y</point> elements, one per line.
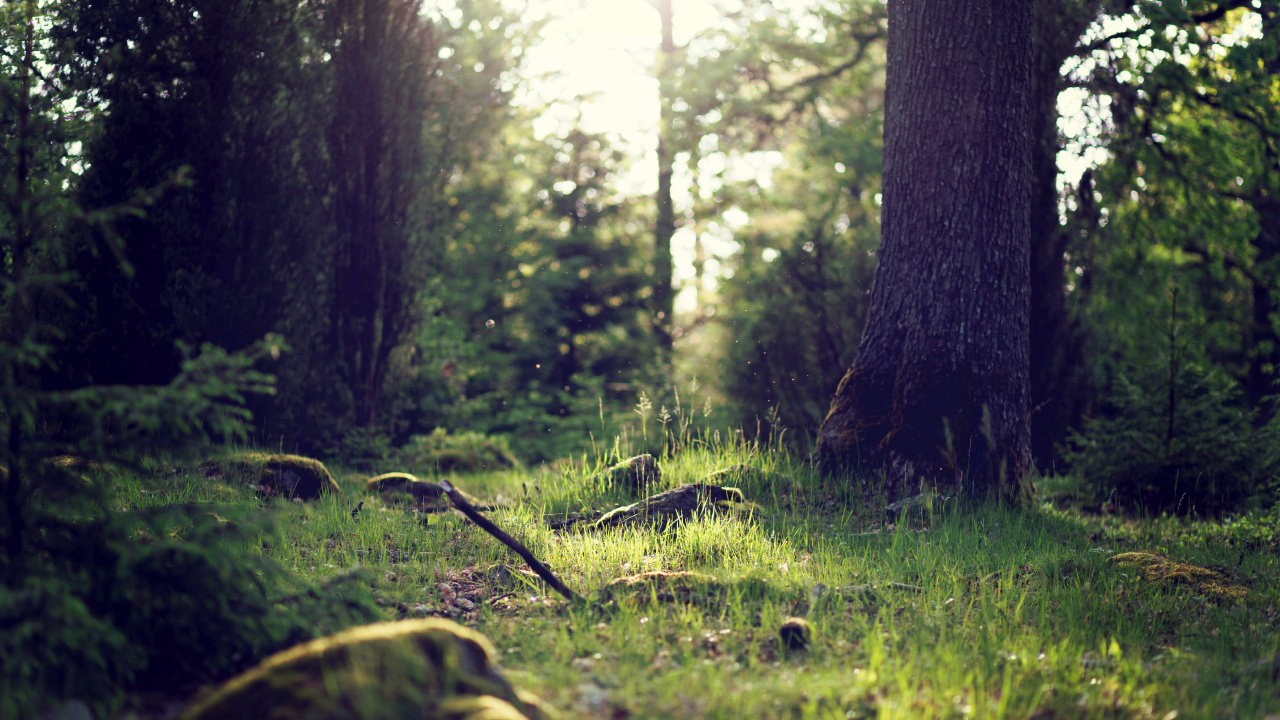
<point>487,525</point>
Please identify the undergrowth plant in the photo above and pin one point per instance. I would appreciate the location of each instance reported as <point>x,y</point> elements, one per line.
<point>98,602</point>
<point>1175,436</point>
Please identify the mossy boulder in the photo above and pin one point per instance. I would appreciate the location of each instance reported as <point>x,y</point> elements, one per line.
<point>288,476</point>
<point>633,474</point>
<point>682,502</point>
<point>428,669</point>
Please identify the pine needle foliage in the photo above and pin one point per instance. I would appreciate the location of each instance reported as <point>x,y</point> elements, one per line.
<point>96,603</point>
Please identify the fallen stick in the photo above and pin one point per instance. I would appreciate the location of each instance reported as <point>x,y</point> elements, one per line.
<point>487,525</point>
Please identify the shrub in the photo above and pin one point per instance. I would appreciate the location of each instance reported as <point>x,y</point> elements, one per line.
<point>464,452</point>
<point>96,602</point>
<point>1199,453</point>
<point>113,603</point>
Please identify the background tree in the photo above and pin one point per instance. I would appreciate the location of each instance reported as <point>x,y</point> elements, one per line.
<point>383,175</point>
<point>795,306</point>
<point>1183,209</point>
<point>77,585</point>
<point>318,174</point>
<point>228,89</point>
<point>1060,386</point>
<point>540,321</point>
<point>800,93</point>
<point>939,389</point>
<point>664,226</point>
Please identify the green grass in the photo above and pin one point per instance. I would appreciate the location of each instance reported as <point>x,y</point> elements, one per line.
<point>1012,613</point>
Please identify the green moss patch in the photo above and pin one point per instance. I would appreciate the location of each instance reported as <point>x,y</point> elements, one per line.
<point>431,668</point>
<point>1159,569</point>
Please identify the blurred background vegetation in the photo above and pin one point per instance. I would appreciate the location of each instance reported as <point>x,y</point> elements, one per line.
<point>373,182</point>
<point>345,228</point>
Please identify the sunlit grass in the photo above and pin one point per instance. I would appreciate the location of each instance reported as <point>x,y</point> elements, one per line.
<point>954,612</point>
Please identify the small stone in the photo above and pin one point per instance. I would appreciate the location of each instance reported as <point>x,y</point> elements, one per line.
<point>796,634</point>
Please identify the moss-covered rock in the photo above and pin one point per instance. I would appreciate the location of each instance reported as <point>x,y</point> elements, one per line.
<point>289,476</point>
<point>634,475</point>
<point>400,487</point>
<point>396,487</point>
<point>682,502</point>
<point>428,669</point>
<point>795,634</point>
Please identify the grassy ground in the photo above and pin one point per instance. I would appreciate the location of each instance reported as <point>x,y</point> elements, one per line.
<point>953,612</point>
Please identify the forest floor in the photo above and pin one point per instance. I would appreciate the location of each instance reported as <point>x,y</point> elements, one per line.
<point>946,612</point>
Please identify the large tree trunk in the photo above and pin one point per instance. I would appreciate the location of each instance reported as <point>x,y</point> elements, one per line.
<point>939,390</point>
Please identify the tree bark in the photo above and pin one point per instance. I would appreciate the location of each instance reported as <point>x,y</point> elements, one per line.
<point>1263,349</point>
<point>665,224</point>
<point>382,53</point>
<point>939,390</point>
<point>1059,390</point>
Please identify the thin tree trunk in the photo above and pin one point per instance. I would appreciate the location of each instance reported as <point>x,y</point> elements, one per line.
<point>1264,345</point>
<point>377,149</point>
<point>939,391</point>
<point>665,225</point>
<point>1057,347</point>
<point>23,239</point>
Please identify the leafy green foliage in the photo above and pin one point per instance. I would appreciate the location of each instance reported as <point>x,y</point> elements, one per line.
<point>797,302</point>
<point>812,91</point>
<point>101,602</point>
<point>1209,457</point>
<point>564,332</point>
<point>462,452</point>
<point>1188,201</point>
